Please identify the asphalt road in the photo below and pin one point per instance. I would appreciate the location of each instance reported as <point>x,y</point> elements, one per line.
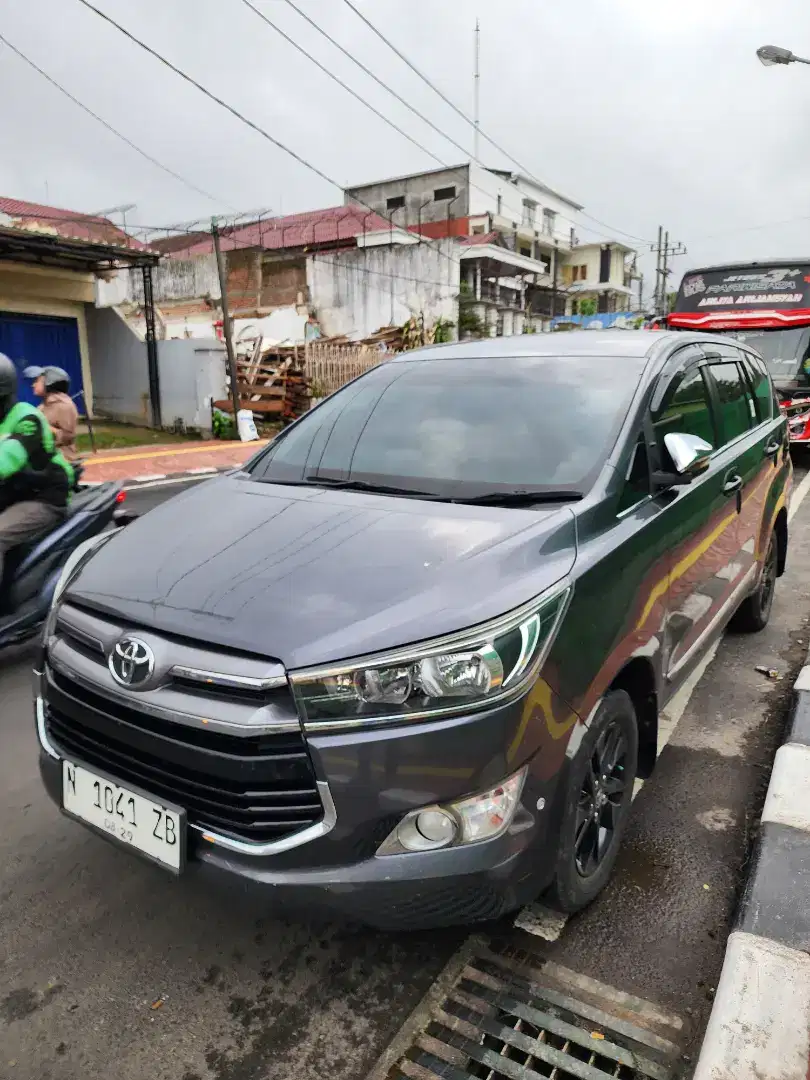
<point>110,968</point>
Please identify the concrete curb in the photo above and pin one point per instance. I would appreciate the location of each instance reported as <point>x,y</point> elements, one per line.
<point>759,1028</point>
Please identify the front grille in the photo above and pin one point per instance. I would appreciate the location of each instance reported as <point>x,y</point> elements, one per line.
<point>258,788</point>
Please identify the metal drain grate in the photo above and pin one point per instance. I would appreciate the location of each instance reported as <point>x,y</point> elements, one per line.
<point>497,1022</point>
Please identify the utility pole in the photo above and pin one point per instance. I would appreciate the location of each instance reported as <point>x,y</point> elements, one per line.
<point>663,250</point>
<point>226,321</point>
<point>657,290</point>
<point>477,88</point>
<point>150,340</point>
<point>664,273</point>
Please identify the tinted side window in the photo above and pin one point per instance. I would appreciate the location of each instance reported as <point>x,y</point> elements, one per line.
<point>763,391</point>
<point>737,411</point>
<point>686,409</point>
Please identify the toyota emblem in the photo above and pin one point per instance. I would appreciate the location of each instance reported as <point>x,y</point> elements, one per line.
<point>131,662</point>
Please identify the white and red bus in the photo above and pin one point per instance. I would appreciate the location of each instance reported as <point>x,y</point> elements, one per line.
<point>766,305</point>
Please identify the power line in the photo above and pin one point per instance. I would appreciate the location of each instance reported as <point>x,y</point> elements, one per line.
<point>472,122</point>
<point>376,78</point>
<point>367,71</point>
<point>233,111</point>
<point>403,101</point>
<point>339,81</point>
<point>109,127</point>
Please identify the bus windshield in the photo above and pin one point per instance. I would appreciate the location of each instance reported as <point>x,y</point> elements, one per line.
<point>782,350</point>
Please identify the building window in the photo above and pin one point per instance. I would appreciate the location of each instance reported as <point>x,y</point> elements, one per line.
<point>530,212</point>
<point>442,193</point>
<point>499,209</point>
<point>549,222</point>
<point>523,250</point>
<point>395,202</point>
<point>605,259</point>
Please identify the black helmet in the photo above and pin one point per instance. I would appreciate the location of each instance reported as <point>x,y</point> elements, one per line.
<point>8,384</point>
<point>57,379</point>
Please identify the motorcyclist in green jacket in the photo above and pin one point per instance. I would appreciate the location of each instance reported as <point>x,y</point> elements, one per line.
<point>35,480</point>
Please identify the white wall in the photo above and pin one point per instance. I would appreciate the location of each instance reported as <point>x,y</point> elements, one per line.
<point>485,187</point>
<point>355,292</point>
<point>172,279</point>
<point>192,375</point>
<point>284,325</point>
<point>590,255</point>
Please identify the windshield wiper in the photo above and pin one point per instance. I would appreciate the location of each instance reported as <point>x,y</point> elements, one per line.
<point>521,497</point>
<point>366,485</point>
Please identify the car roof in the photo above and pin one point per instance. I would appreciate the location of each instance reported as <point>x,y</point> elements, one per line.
<point>613,343</point>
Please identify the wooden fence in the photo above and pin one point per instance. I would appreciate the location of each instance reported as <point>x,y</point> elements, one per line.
<point>328,367</point>
<point>281,382</point>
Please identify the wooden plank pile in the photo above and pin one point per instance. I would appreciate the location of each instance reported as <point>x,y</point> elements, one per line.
<point>271,386</point>
<point>277,381</point>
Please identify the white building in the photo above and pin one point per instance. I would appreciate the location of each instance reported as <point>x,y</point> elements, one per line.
<point>598,278</point>
<point>511,229</point>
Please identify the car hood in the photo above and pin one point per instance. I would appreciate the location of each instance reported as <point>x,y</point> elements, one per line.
<point>308,576</point>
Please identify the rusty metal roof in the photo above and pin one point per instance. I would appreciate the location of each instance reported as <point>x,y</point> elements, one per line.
<point>68,224</point>
<point>336,226</point>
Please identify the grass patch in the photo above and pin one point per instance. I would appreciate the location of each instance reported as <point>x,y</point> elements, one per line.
<point>123,436</point>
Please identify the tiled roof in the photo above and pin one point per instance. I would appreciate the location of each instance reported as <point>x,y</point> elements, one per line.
<point>335,225</point>
<point>69,224</point>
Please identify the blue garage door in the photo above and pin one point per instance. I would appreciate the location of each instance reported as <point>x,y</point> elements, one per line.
<point>41,340</point>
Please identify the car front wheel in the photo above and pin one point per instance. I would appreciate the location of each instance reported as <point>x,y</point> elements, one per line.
<point>599,796</point>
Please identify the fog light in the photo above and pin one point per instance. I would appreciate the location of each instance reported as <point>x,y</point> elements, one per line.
<point>469,821</point>
<point>421,830</point>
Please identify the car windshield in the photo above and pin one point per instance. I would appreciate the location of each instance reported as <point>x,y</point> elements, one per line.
<point>458,428</point>
<point>782,350</point>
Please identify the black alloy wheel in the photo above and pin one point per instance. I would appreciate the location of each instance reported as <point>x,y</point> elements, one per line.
<point>598,797</point>
<point>601,799</point>
<point>754,612</point>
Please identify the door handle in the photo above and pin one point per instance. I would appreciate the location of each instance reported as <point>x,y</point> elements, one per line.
<point>772,448</point>
<point>731,484</point>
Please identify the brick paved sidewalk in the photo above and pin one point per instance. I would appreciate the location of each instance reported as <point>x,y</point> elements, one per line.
<point>165,462</point>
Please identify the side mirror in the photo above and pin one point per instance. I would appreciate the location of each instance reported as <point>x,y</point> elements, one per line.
<point>690,456</point>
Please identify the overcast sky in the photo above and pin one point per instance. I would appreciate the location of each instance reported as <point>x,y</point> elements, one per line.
<point>647,111</point>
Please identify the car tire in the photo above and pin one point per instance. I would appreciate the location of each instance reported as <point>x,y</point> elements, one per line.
<point>598,799</point>
<point>754,612</point>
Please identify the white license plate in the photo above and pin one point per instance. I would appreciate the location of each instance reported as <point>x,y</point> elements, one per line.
<point>133,819</point>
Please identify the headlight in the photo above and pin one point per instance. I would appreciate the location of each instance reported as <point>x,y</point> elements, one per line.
<point>468,821</point>
<point>483,665</point>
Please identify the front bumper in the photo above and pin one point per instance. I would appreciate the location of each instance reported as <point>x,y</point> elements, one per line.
<point>374,778</point>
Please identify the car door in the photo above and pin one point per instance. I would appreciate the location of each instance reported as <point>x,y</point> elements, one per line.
<point>748,429</point>
<point>705,564</point>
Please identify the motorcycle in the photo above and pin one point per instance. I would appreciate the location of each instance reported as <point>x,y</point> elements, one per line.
<point>31,571</point>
